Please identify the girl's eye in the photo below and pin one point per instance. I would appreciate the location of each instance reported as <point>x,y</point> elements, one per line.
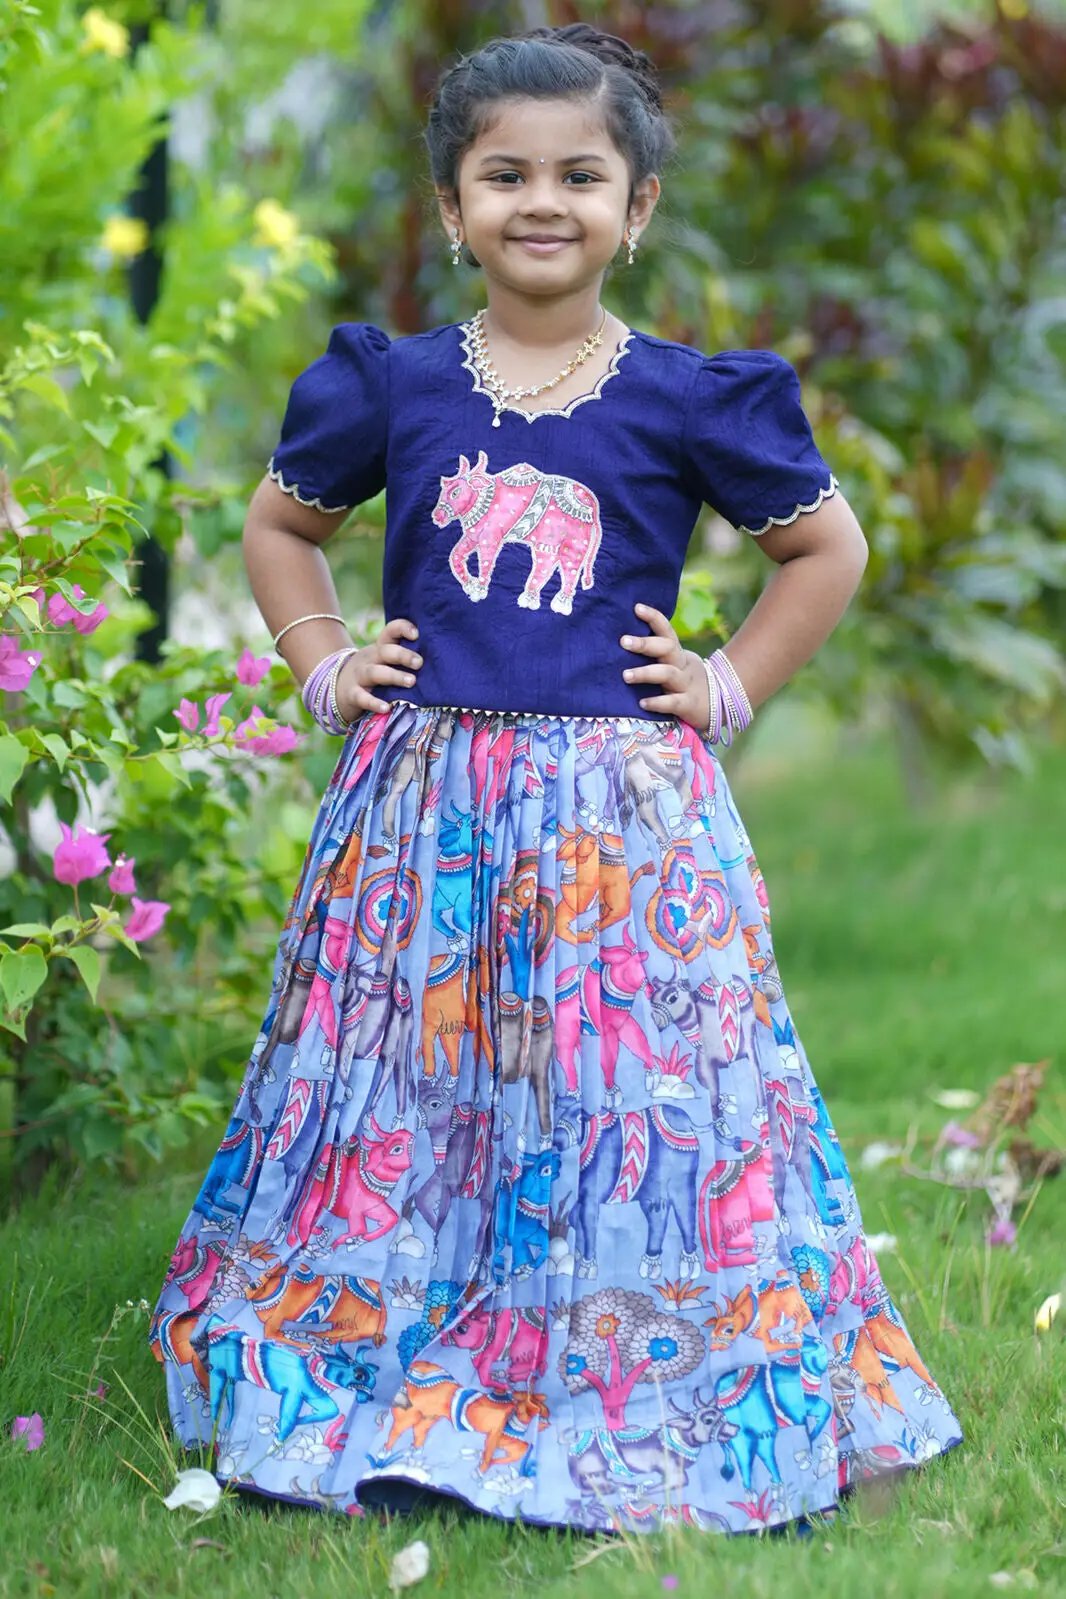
<point>504,177</point>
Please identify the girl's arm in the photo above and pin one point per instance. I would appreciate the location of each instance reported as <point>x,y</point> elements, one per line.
<point>821,557</point>
<point>290,577</point>
<point>289,574</point>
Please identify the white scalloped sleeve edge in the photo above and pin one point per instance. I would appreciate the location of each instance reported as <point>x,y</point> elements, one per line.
<point>294,489</point>
<point>783,521</point>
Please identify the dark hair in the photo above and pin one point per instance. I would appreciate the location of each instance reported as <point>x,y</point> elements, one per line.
<point>576,62</point>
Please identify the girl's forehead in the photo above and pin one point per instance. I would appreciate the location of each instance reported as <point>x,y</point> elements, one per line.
<point>535,128</point>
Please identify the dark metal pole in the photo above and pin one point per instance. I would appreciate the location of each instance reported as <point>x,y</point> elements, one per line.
<point>149,202</point>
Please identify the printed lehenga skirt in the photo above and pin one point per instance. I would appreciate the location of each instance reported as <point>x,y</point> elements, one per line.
<point>529,1197</point>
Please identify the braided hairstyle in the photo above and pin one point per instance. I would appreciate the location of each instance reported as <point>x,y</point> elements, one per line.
<point>576,62</point>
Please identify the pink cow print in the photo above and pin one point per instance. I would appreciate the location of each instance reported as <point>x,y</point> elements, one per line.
<point>556,518</point>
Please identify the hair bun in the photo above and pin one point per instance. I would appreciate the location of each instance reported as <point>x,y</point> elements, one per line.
<point>609,47</point>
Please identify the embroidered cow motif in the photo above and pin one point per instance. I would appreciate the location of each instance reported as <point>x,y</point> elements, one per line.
<point>555,518</point>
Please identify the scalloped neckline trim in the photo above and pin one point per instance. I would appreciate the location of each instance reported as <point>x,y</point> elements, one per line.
<point>469,365</point>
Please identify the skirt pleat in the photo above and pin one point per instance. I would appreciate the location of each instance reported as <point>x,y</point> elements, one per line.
<point>529,1196</point>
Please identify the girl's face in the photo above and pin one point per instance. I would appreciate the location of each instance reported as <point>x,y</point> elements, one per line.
<point>543,197</point>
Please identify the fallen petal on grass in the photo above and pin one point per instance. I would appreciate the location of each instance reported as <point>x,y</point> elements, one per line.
<point>1045,1316</point>
<point>31,1428</point>
<point>879,1154</point>
<point>194,1490</point>
<point>881,1243</point>
<point>956,1098</point>
<point>409,1566</point>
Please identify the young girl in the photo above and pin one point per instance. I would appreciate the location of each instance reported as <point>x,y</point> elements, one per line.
<point>529,1197</point>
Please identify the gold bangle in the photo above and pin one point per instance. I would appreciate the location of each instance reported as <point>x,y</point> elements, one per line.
<point>314,616</point>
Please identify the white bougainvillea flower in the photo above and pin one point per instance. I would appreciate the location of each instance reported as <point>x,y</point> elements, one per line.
<point>194,1490</point>
<point>409,1566</point>
<point>1045,1316</point>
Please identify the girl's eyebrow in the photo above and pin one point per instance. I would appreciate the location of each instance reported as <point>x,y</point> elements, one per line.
<point>520,161</point>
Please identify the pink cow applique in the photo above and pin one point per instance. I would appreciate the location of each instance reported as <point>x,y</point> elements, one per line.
<point>555,518</point>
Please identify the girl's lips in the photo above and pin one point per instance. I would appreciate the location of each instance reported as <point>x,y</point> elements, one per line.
<point>544,246</point>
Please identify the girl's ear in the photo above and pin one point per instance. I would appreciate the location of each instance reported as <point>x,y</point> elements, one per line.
<point>450,215</point>
<point>645,198</point>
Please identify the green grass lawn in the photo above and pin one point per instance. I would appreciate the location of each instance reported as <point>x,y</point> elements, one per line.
<point>918,952</point>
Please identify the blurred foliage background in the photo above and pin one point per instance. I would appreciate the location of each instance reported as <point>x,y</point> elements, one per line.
<point>873,189</point>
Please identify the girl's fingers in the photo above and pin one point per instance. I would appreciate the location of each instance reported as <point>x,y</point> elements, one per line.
<point>652,645</point>
<point>671,704</point>
<point>398,656</point>
<point>656,621</point>
<point>661,672</point>
<point>398,628</point>
<point>365,701</point>
<point>380,673</point>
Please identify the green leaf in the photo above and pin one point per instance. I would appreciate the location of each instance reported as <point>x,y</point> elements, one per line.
<point>116,931</point>
<point>68,693</point>
<point>57,748</point>
<point>26,930</point>
<point>21,975</point>
<point>13,758</point>
<point>87,960</point>
<point>46,388</point>
<point>29,608</point>
<point>103,432</point>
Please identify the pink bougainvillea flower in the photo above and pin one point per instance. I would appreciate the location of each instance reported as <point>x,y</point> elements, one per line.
<point>188,714</point>
<point>91,621</point>
<point>80,854</point>
<point>148,917</point>
<point>252,735</point>
<point>212,709</point>
<point>279,742</point>
<point>669,1582</point>
<point>251,668</point>
<point>31,1428</point>
<point>246,729</point>
<point>17,666</point>
<point>1002,1232</point>
<point>959,1137</point>
<point>121,879</point>
<point>60,609</point>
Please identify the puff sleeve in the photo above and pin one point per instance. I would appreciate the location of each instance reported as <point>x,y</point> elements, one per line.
<point>748,445</point>
<point>331,453</point>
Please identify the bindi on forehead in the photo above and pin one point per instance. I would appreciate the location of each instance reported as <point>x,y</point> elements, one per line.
<point>585,158</point>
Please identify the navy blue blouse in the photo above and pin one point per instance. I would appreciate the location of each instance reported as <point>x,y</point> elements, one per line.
<point>519,550</point>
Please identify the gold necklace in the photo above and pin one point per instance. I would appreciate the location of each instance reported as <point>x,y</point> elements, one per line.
<point>498,392</point>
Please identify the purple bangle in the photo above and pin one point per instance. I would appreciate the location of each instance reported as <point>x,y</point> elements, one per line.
<point>714,690</point>
<point>319,694</point>
<point>730,707</point>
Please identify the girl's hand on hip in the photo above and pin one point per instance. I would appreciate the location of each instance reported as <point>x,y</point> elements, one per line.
<point>387,660</point>
<point>678,672</point>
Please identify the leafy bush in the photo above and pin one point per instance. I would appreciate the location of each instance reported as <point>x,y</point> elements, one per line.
<point>105,1050</point>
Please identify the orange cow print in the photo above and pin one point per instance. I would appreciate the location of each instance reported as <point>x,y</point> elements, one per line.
<point>430,1395</point>
<point>777,1318</point>
<point>336,1309</point>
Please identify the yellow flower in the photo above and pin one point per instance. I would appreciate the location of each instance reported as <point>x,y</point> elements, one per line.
<point>125,236</point>
<point>274,226</point>
<point>1047,1313</point>
<point>103,33</point>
